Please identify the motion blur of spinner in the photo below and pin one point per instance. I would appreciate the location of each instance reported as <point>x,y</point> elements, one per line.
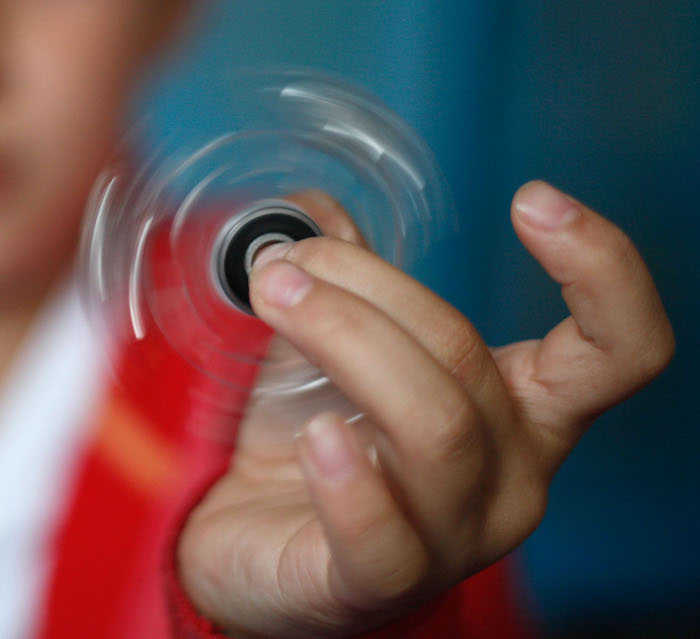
<point>171,235</point>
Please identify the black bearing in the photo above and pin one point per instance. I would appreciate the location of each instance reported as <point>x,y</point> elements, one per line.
<point>278,222</point>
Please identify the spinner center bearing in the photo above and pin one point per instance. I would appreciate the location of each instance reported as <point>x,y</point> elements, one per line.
<point>248,233</point>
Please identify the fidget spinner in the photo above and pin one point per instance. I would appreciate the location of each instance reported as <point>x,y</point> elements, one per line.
<point>171,233</point>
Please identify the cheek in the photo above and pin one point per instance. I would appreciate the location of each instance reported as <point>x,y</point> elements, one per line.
<point>71,81</point>
<point>76,83</point>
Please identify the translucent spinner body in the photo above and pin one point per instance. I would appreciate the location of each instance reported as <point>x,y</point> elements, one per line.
<point>171,234</point>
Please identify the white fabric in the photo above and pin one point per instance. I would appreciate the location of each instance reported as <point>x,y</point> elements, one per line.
<point>45,405</point>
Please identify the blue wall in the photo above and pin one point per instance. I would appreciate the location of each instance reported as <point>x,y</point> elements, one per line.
<point>601,98</point>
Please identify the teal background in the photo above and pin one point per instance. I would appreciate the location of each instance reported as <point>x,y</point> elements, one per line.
<point>603,100</point>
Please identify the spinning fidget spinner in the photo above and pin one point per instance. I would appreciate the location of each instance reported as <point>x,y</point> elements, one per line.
<point>171,234</point>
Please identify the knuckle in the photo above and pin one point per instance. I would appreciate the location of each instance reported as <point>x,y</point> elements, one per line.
<point>390,581</point>
<point>404,577</point>
<point>313,248</point>
<point>520,511</point>
<point>457,430</point>
<point>537,502</point>
<point>611,250</point>
<point>622,246</point>
<point>531,485</point>
<point>616,252</point>
<point>389,562</point>
<point>318,253</point>
<point>659,349</point>
<point>466,349</point>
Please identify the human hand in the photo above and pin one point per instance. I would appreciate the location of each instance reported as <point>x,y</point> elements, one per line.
<point>309,537</point>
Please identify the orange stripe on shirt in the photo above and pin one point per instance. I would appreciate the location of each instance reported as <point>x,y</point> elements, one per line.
<point>134,449</point>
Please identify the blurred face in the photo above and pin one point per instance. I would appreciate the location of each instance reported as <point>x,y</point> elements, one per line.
<point>65,69</point>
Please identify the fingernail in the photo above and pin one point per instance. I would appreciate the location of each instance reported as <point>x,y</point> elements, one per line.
<point>284,285</point>
<point>329,449</point>
<point>544,207</point>
<point>270,253</point>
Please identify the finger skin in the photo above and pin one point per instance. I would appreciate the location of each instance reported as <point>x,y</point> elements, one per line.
<point>329,214</point>
<point>377,556</point>
<point>434,438</point>
<point>440,328</point>
<point>618,336</point>
<point>341,257</point>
